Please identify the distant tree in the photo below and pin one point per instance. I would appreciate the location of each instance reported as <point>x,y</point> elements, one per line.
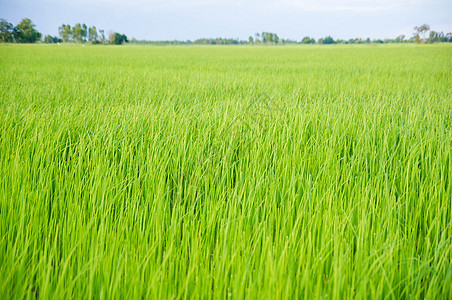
<point>204,41</point>
<point>437,37</point>
<point>84,32</point>
<point>433,37</point>
<point>102,36</point>
<point>416,38</point>
<point>400,38</point>
<point>77,32</point>
<point>449,37</point>
<point>65,32</point>
<point>269,38</point>
<point>308,40</point>
<point>48,39</point>
<point>423,29</point>
<point>25,32</point>
<point>111,37</point>
<point>250,40</point>
<point>93,37</point>
<point>288,42</point>
<point>52,39</point>
<point>264,37</point>
<point>327,40</point>
<point>6,31</point>
<point>120,39</point>
<point>258,36</point>
<point>172,42</point>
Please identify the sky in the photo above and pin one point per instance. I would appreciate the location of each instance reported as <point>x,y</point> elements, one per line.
<point>192,19</point>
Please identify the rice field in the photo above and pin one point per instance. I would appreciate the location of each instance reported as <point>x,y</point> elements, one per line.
<point>316,172</point>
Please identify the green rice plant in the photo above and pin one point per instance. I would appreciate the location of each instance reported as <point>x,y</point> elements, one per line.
<point>213,172</point>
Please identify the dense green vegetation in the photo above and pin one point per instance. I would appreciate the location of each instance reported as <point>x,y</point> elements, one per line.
<point>25,32</point>
<point>270,172</point>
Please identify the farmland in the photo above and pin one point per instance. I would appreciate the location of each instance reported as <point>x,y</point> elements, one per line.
<point>215,172</point>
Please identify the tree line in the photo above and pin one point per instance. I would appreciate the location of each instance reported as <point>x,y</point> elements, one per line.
<point>25,32</point>
<point>80,33</point>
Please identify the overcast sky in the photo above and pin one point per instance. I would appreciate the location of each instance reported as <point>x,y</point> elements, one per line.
<point>191,19</point>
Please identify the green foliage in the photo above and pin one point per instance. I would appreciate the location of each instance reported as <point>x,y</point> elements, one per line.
<point>6,31</point>
<point>93,36</point>
<point>65,32</point>
<point>327,41</point>
<point>218,41</point>
<point>52,39</point>
<point>84,32</point>
<point>439,37</point>
<point>102,38</point>
<point>208,172</point>
<point>25,32</point>
<point>119,39</point>
<point>423,29</point>
<point>159,43</point>
<point>77,33</point>
<point>80,33</point>
<point>308,40</point>
<point>269,38</point>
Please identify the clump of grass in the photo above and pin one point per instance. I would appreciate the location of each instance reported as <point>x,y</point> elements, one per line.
<point>208,172</point>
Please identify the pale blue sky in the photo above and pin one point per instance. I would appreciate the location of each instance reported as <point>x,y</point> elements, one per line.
<point>191,19</point>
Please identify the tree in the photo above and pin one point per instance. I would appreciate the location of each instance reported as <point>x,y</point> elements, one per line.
<point>102,36</point>
<point>264,37</point>
<point>250,40</point>
<point>92,38</point>
<point>48,39</point>
<point>327,40</point>
<point>400,38</point>
<point>257,40</point>
<point>77,32</point>
<point>120,39</point>
<point>52,39</point>
<point>449,37</point>
<point>308,40</point>
<point>423,29</point>
<point>25,32</point>
<point>84,32</point>
<point>65,32</point>
<point>6,31</point>
<point>111,37</point>
<point>269,38</point>
<point>288,41</point>
<point>437,37</point>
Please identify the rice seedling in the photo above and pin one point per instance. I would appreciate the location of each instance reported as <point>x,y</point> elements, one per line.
<point>215,172</point>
